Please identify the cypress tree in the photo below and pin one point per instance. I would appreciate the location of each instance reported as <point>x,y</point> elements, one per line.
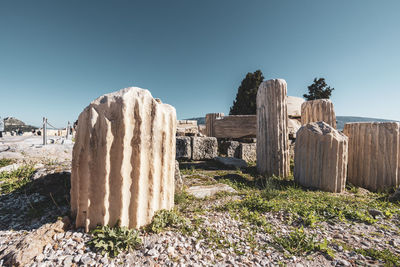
<point>245,102</point>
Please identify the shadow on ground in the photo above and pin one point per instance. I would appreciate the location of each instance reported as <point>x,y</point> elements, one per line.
<point>38,202</point>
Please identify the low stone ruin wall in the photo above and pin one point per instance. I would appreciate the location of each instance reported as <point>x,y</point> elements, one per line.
<point>187,128</point>
<point>196,148</point>
<point>235,126</point>
<point>237,149</point>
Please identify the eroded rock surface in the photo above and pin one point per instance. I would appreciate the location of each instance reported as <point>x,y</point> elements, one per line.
<point>183,147</point>
<point>31,245</point>
<point>204,148</point>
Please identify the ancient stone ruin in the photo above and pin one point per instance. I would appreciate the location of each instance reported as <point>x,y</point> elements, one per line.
<point>272,129</point>
<point>210,119</point>
<point>123,160</point>
<point>374,154</point>
<point>318,110</point>
<point>187,128</point>
<point>204,148</point>
<point>321,155</point>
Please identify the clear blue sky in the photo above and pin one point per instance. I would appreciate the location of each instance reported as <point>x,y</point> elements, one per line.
<point>57,56</point>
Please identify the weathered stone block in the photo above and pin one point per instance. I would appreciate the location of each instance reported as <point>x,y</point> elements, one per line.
<point>231,162</point>
<point>272,129</point>
<point>294,106</point>
<point>183,147</point>
<point>187,128</point>
<point>228,148</point>
<point>235,126</point>
<point>123,160</point>
<point>318,110</point>
<point>204,148</point>
<point>374,154</point>
<point>320,159</point>
<point>248,152</point>
<point>293,126</point>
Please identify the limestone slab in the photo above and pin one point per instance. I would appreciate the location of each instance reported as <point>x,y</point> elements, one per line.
<point>231,162</point>
<point>202,191</point>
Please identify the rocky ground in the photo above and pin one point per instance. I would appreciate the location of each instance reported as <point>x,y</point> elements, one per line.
<point>266,222</point>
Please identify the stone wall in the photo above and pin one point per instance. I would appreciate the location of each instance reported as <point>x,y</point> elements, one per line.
<point>123,160</point>
<point>374,154</point>
<point>210,119</point>
<point>187,128</point>
<point>196,148</point>
<point>235,126</point>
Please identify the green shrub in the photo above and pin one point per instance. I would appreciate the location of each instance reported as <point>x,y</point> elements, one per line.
<point>296,242</point>
<point>5,162</point>
<point>15,180</point>
<point>386,256</point>
<point>167,218</point>
<point>114,240</point>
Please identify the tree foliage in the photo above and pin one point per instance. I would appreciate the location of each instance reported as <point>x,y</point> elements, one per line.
<point>245,102</point>
<point>318,90</point>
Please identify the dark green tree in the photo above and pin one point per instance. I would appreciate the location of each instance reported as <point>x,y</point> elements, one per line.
<point>245,102</point>
<point>318,90</point>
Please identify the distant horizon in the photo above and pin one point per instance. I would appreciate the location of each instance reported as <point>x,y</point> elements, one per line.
<point>57,57</point>
<point>337,116</point>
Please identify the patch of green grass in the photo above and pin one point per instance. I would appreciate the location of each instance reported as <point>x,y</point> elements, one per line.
<point>298,242</point>
<point>386,256</point>
<point>351,188</point>
<point>186,203</point>
<point>309,207</point>
<point>6,162</point>
<point>167,219</point>
<point>114,240</point>
<point>14,180</point>
<point>187,171</point>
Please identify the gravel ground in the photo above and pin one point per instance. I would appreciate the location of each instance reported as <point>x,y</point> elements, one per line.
<point>248,245</point>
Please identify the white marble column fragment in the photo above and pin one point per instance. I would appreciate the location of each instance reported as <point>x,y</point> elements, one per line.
<point>318,110</point>
<point>272,129</point>
<point>123,160</point>
<point>374,154</point>
<point>321,155</point>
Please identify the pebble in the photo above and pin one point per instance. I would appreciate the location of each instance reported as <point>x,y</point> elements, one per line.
<point>77,258</point>
<point>68,261</point>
